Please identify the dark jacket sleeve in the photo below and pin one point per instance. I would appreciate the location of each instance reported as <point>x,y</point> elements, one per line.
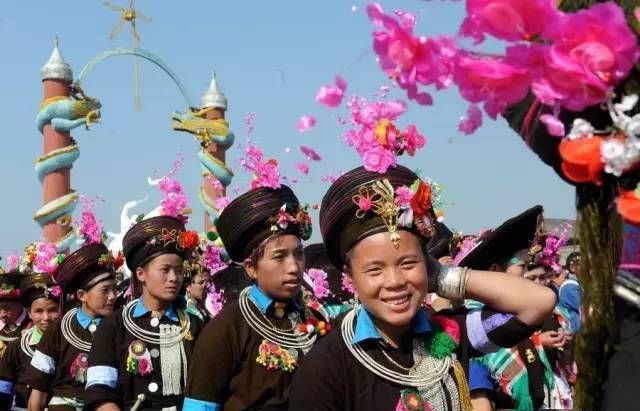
<point>102,374</point>
<point>215,360</point>
<point>489,330</point>
<point>318,384</point>
<point>42,369</point>
<point>8,366</point>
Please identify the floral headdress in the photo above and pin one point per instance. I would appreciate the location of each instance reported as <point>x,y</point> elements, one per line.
<point>8,288</point>
<point>408,207</point>
<point>545,249</point>
<point>301,218</point>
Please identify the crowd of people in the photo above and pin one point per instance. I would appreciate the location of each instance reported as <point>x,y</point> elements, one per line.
<point>392,311</point>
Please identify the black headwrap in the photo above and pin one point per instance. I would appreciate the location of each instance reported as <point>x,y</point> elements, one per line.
<point>343,222</point>
<point>253,217</point>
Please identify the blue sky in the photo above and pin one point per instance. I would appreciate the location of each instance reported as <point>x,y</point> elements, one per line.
<point>270,57</point>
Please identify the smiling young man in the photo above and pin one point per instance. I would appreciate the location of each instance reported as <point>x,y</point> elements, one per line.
<point>389,354</point>
<point>247,355</point>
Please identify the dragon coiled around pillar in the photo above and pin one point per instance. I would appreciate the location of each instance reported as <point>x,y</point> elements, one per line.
<point>207,132</point>
<point>63,113</point>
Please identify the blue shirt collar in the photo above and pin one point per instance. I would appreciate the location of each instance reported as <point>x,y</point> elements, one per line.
<point>366,329</point>
<point>139,310</point>
<point>85,319</point>
<point>263,301</point>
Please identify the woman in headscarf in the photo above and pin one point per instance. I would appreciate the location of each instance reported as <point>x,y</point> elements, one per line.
<point>389,354</point>
<point>247,355</point>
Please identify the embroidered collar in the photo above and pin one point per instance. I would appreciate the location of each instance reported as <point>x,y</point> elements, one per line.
<point>36,336</point>
<point>263,301</point>
<point>85,319</point>
<point>140,310</point>
<point>366,329</point>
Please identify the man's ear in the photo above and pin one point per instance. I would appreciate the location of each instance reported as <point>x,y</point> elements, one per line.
<point>81,295</point>
<point>249,268</point>
<point>140,274</point>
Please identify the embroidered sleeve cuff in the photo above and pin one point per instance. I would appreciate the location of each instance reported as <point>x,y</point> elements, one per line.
<point>191,404</point>
<point>6,387</point>
<point>477,334</point>
<point>103,375</point>
<point>43,363</point>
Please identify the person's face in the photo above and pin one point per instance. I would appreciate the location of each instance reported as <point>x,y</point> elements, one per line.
<point>10,311</point>
<point>162,277</point>
<point>538,275</point>
<point>43,312</point>
<point>99,300</point>
<point>278,271</point>
<point>391,282</point>
<point>196,287</point>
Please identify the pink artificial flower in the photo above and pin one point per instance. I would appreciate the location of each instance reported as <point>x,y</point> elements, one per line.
<point>347,284</point>
<point>214,301</point>
<point>56,291</point>
<point>45,260</point>
<point>472,121</point>
<point>403,196</point>
<point>378,159</point>
<point>410,60</point>
<point>331,96</point>
<point>212,259</point>
<point>496,82</point>
<point>89,228</point>
<point>174,199</point>
<point>310,153</point>
<point>303,168</point>
<point>284,218</point>
<point>306,123</point>
<point>510,20</point>
<point>13,260</point>
<point>554,125</point>
<point>365,204</point>
<point>319,282</point>
<point>412,140</point>
<point>591,52</point>
<point>222,202</point>
<point>266,173</point>
<point>144,366</point>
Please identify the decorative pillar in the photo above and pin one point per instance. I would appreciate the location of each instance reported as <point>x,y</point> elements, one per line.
<point>54,166</point>
<point>214,105</point>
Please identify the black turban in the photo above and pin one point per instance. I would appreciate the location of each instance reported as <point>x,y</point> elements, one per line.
<point>343,223</point>
<point>252,218</point>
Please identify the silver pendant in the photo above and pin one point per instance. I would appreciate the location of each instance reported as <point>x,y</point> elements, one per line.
<point>155,353</point>
<point>92,328</point>
<point>155,322</point>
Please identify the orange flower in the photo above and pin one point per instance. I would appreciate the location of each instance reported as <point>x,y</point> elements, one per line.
<point>581,160</point>
<point>421,201</point>
<point>629,206</point>
<point>189,239</point>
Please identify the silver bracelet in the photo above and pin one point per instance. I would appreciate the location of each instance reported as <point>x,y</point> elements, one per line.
<point>451,282</point>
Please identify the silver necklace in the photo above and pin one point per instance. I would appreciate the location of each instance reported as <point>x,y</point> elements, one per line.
<point>152,337</point>
<point>287,339</point>
<point>425,378</point>
<point>24,342</point>
<point>69,335</point>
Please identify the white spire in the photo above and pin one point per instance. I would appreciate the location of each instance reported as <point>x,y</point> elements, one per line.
<point>56,68</point>
<point>213,97</point>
